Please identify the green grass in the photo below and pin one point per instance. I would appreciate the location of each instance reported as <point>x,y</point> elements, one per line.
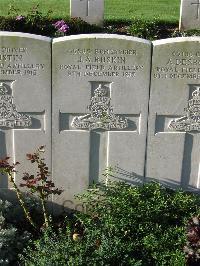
<point>167,10</point>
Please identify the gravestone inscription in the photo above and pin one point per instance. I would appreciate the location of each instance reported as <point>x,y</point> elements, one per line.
<point>174,114</point>
<point>100,104</point>
<point>91,11</point>
<point>25,97</point>
<point>189,15</point>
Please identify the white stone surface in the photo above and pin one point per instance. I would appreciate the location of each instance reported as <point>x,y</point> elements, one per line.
<point>91,11</point>
<point>82,66</point>
<point>173,147</point>
<point>189,14</point>
<point>25,98</point>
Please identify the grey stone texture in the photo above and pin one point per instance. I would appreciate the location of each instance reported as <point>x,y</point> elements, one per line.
<point>25,98</point>
<point>189,15</point>
<point>100,106</point>
<point>97,116</point>
<point>91,11</point>
<point>174,113</point>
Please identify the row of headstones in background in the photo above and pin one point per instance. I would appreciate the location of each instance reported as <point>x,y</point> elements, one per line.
<point>189,15</point>
<point>91,11</point>
<point>100,97</point>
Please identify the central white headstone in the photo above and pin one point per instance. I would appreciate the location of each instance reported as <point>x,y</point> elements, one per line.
<point>100,105</point>
<point>189,15</point>
<point>91,11</point>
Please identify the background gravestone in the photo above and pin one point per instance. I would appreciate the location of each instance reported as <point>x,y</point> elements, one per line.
<point>91,11</point>
<point>25,97</point>
<point>189,15</point>
<point>100,102</point>
<point>174,119</point>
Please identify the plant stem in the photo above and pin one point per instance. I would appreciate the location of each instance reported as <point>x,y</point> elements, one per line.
<point>21,201</point>
<point>46,218</point>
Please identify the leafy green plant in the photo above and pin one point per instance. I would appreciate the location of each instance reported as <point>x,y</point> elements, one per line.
<point>124,225</point>
<point>9,170</point>
<point>12,241</point>
<point>34,21</point>
<point>192,247</point>
<point>187,33</point>
<point>151,30</point>
<point>37,22</point>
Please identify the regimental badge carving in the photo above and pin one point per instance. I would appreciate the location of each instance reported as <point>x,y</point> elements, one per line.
<point>9,116</point>
<point>190,122</point>
<point>101,115</point>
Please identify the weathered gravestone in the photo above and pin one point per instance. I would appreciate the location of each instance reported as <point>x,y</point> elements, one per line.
<point>100,103</point>
<point>189,15</point>
<point>91,11</point>
<point>174,121</point>
<point>25,97</point>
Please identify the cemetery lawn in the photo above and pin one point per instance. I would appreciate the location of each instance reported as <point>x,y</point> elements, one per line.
<point>167,10</point>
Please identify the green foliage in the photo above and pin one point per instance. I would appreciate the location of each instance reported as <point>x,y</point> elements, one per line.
<point>153,29</point>
<point>187,33</point>
<point>192,247</point>
<point>78,26</point>
<point>34,21</point>
<point>11,240</point>
<point>39,22</point>
<point>44,26</point>
<point>124,225</point>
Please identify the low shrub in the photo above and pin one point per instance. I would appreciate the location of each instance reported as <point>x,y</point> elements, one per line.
<point>192,247</point>
<point>36,22</point>
<point>12,239</point>
<point>151,30</point>
<point>188,33</point>
<point>124,225</point>
<point>45,27</point>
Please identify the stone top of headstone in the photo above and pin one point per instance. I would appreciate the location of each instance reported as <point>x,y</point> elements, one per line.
<point>25,35</point>
<point>25,97</point>
<point>91,11</point>
<point>173,124</point>
<point>189,15</point>
<point>100,107</point>
<point>101,36</point>
<point>176,40</point>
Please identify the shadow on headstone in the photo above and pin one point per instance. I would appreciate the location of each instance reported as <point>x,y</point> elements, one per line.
<point>98,154</point>
<point>187,161</point>
<point>3,154</point>
<point>120,174</point>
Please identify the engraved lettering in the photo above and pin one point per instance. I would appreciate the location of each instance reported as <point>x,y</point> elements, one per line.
<point>110,60</point>
<point>13,50</point>
<point>101,63</point>
<point>10,57</point>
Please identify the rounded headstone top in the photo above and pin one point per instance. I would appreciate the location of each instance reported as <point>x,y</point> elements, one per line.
<point>101,36</point>
<point>25,35</point>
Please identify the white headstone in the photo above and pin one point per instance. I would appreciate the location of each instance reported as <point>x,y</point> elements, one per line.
<point>189,15</point>
<point>91,11</point>
<point>100,106</point>
<point>174,120</point>
<point>25,98</point>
